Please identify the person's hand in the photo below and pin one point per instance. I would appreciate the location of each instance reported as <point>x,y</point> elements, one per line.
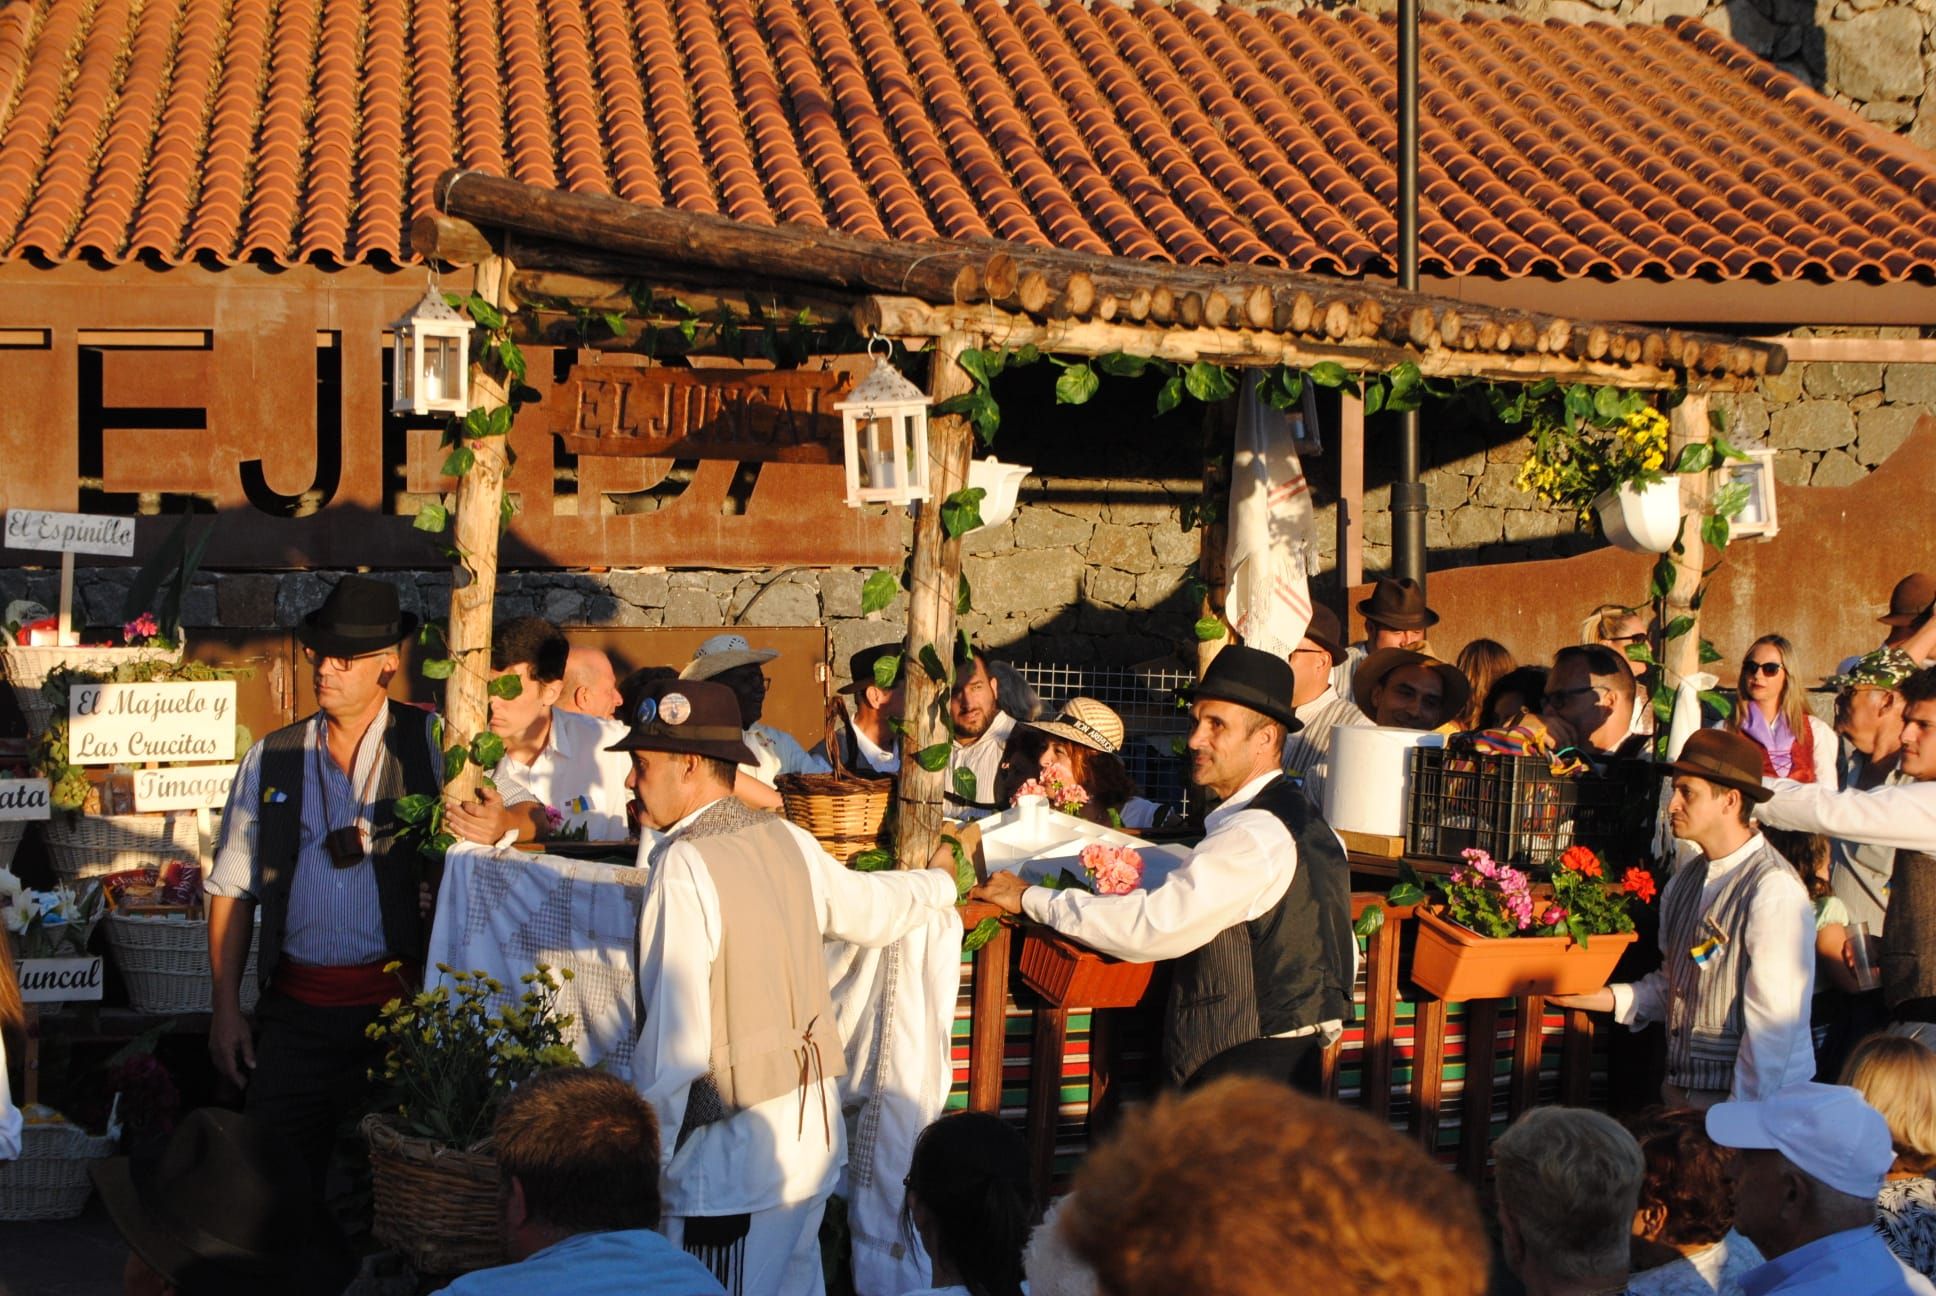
<point>481,819</point>
<point>1003,890</point>
<point>230,1047</point>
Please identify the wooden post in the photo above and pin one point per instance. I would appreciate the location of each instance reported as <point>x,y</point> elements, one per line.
<point>474,530</point>
<point>1687,425</point>
<point>934,582</point>
<point>1351,497</point>
<point>1213,525</point>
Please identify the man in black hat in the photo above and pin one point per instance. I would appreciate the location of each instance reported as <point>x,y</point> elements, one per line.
<point>1395,617</point>
<point>868,744</point>
<point>1737,941</point>
<point>223,1210</point>
<point>1319,707</point>
<point>1258,921</point>
<point>740,1054</point>
<point>309,841</point>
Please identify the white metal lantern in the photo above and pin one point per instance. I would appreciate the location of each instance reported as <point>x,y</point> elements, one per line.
<point>1758,516</point>
<point>885,424</point>
<point>432,369</point>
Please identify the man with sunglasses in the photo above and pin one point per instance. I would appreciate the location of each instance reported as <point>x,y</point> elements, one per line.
<point>310,842</point>
<point>1589,702</point>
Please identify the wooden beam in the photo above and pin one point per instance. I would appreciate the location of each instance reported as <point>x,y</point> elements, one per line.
<point>1855,350</point>
<point>1687,424</point>
<point>934,583</point>
<point>915,321</point>
<point>1351,496</point>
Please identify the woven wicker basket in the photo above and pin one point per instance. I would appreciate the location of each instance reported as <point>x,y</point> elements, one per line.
<point>28,668</point>
<point>436,1204</point>
<point>164,961</point>
<point>11,831</point>
<point>49,1179</point>
<point>841,811</point>
<point>85,846</point>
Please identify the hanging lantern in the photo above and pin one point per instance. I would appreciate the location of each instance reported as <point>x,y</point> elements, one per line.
<point>885,424</point>
<point>431,373</point>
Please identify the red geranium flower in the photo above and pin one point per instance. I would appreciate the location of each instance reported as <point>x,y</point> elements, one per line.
<point>1581,859</point>
<point>1639,882</point>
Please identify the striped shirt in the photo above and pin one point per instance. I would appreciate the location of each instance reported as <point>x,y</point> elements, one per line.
<point>1307,753</point>
<point>334,918</point>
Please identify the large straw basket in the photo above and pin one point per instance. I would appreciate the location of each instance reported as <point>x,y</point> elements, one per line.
<point>164,962</point>
<point>85,846</point>
<point>438,1205</point>
<point>28,668</point>
<point>841,811</point>
<point>49,1179</point>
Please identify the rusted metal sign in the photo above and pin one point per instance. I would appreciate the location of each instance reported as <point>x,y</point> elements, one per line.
<point>781,417</point>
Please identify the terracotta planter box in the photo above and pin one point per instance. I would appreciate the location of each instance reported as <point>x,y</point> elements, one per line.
<point>1070,975</point>
<point>1457,964</point>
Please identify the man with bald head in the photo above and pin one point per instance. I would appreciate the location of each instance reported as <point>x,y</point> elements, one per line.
<point>591,685</point>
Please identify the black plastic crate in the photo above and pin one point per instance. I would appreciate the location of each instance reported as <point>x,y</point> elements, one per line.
<point>1518,811</point>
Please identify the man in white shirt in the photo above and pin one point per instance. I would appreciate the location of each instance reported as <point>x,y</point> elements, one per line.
<point>1903,818</point>
<point>1258,921</point>
<point>740,1055</point>
<point>1737,942</point>
<point>982,730</point>
<point>591,685</point>
<point>556,777</point>
<point>728,659</point>
<point>1319,708</point>
<point>868,743</point>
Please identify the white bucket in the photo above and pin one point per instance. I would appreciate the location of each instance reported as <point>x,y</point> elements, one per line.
<point>1371,777</point>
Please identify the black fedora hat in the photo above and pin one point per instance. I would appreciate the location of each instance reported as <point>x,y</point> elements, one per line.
<point>225,1206</point>
<point>698,717</point>
<point>1722,756</point>
<point>860,666</point>
<point>1399,604</point>
<point>1251,678</point>
<point>361,615</point>
<point>1326,633</point>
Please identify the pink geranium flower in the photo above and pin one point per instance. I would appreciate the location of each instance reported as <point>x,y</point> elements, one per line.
<point>1112,870</point>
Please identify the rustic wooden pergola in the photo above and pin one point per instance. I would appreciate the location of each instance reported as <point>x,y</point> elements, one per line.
<point>538,252</point>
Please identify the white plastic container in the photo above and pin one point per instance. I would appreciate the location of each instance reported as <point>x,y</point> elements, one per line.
<point>1371,777</point>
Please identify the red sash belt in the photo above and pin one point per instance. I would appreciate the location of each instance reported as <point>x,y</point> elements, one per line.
<point>364,985</point>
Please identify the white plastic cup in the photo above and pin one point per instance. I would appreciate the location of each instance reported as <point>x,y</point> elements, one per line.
<point>1865,969</point>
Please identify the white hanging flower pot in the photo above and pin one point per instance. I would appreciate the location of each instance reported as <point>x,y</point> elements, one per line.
<point>1003,482</point>
<point>1641,519</point>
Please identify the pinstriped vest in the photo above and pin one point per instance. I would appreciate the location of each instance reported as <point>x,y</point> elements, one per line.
<point>1704,1009</point>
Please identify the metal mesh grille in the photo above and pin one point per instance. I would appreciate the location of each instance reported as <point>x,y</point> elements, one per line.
<point>1146,699</point>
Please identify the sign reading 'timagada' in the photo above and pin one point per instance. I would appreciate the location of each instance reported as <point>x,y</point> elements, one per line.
<point>114,724</point>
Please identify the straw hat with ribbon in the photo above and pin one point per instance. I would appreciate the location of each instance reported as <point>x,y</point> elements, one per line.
<point>1088,723</point>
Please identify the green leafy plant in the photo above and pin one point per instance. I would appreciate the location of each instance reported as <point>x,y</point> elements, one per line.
<point>451,1058</point>
<point>161,583</point>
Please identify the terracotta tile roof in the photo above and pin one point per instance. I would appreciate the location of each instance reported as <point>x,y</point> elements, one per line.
<point>227,130</point>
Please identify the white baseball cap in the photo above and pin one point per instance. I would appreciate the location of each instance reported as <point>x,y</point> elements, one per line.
<point>1827,1131</point>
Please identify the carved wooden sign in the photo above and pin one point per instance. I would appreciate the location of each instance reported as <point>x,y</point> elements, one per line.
<point>786,416</point>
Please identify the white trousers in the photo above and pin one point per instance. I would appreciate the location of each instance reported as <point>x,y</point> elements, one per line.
<point>781,1256</point>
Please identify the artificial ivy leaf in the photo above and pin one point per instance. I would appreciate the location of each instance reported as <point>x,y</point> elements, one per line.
<point>963,605</point>
<point>983,933</point>
<point>1578,405</point>
<point>1722,707</point>
<point>1405,893</point>
<point>1709,653</point>
<point>1170,396</point>
<point>1327,373</point>
<point>1679,626</point>
<point>455,759</point>
<point>886,670</point>
<point>506,686</point>
<point>413,809</point>
<point>512,359</point>
<point>487,749</point>
<point>460,461</point>
<point>1724,448</point>
<point>1663,577</point>
<point>506,510</point>
<point>981,365</point>
<point>1369,922</point>
<point>931,663</point>
<point>1694,458</point>
<point>964,781</point>
<point>872,860</point>
<point>485,313</point>
<point>877,591</point>
<point>614,321</point>
<point>1663,710</point>
<point>1607,404</point>
<point>498,421</point>
<point>1641,653</point>
<point>1714,531</point>
<point>961,511</point>
<point>432,518</point>
<point>1730,500</point>
<point>932,758</point>
<point>965,878</point>
<point>1209,628</point>
<point>439,668</point>
<point>1076,385</point>
<point>1118,365</point>
<point>1209,382</point>
<point>1374,397</point>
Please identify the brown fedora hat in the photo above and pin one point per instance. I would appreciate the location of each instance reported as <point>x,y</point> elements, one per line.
<point>1910,600</point>
<point>694,716</point>
<point>1725,757</point>
<point>1373,669</point>
<point>1399,603</point>
<point>1326,633</point>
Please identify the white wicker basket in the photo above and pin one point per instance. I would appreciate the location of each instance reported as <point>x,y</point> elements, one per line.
<point>28,668</point>
<point>164,962</point>
<point>49,1179</point>
<point>84,846</point>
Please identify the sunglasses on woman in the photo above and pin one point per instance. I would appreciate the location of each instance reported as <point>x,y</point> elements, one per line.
<point>1766,668</point>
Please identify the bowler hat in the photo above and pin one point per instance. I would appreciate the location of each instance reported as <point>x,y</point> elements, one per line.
<point>361,615</point>
<point>860,667</point>
<point>722,653</point>
<point>1251,678</point>
<point>1398,603</point>
<point>1373,669</point>
<point>225,1206</point>
<point>1725,757</point>
<point>696,717</point>
<point>1326,633</point>
<point>1910,600</point>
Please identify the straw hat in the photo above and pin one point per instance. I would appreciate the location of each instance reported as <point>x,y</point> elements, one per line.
<point>722,653</point>
<point>1087,722</point>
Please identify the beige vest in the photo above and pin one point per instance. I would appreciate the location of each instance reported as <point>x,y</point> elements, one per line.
<point>773,1019</point>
